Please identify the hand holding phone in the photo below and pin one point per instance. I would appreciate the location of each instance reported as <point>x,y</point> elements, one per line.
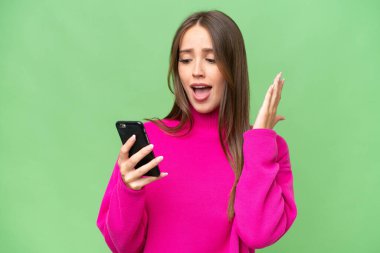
<point>136,158</point>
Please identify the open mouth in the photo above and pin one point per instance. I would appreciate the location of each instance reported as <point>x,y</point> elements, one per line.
<point>202,89</point>
<point>201,93</point>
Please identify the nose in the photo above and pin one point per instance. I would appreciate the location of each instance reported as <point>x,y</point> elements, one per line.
<point>198,69</point>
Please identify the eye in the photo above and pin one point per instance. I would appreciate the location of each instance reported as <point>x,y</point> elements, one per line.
<point>210,60</point>
<point>184,60</point>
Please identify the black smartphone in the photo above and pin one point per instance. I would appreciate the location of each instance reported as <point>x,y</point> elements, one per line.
<point>128,128</point>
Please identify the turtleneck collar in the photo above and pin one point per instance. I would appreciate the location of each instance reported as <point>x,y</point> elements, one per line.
<point>205,120</point>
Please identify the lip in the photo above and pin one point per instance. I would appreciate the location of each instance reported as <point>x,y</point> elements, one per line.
<point>199,84</point>
<point>200,98</point>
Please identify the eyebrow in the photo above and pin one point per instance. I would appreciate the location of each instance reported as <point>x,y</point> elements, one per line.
<point>207,50</point>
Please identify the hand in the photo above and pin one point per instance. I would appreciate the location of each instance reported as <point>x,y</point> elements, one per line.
<point>133,177</point>
<point>267,117</point>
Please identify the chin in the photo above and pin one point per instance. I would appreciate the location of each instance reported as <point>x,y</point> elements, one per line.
<point>204,108</point>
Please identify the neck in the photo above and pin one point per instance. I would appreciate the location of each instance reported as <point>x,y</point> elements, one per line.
<point>205,121</point>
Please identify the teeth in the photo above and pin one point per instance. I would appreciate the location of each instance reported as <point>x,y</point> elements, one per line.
<point>197,87</point>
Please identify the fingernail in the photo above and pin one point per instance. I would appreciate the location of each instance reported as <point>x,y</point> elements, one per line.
<point>160,158</point>
<point>151,146</point>
<point>164,174</point>
<point>133,137</point>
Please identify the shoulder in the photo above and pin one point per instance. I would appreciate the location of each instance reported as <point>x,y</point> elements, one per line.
<point>154,123</point>
<point>152,127</point>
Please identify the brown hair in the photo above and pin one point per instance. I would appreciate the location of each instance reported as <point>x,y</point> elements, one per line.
<point>231,59</point>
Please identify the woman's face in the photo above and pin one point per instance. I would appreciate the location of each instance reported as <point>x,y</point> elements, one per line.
<point>198,71</point>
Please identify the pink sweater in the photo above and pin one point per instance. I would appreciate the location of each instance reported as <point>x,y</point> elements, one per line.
<point>187,210</point>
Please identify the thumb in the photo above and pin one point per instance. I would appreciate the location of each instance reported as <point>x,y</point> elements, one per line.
<point>279,118</point>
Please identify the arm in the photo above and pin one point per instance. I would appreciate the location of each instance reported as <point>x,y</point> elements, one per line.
<point>122,216</point>
<point>264,204</point>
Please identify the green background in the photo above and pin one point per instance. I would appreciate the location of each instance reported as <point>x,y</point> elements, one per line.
<point>69,69</point>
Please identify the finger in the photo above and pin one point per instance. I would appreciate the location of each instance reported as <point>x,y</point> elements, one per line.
<point>127,146</point>
<point>271,91</point>
<point>278,118</point>
<point>138,156</point>
<point>268,96</point>
<point>277,78</point>
<point>276,96</point>
<point>124,150</point>
<point>281,85</point>
<point>139,172</point>
<point>140,183</point>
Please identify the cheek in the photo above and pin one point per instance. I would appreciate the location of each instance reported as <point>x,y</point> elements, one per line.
<point>217,75</point>
<point>219,82</point>
<point>180,72</point>
<point>221,88</point>
<point>220,92</point>
<point>183,72</point>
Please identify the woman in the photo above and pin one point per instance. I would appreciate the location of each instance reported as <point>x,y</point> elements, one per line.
<point>226,186</point>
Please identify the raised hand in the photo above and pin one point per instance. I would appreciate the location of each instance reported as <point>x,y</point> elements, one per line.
<point>267,117</point>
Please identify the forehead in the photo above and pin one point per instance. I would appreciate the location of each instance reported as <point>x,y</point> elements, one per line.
<point>196,37</point>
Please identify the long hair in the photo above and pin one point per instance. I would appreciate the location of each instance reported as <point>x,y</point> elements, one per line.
<point>231,60</point>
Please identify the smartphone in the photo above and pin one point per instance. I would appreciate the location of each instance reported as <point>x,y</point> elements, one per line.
<point>128,128</point>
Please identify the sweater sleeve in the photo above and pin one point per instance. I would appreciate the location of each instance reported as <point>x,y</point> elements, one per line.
<point>122,216</point>
<point>265,207</point>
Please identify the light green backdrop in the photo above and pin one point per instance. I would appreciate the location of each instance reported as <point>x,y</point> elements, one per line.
<point>69,69</point>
